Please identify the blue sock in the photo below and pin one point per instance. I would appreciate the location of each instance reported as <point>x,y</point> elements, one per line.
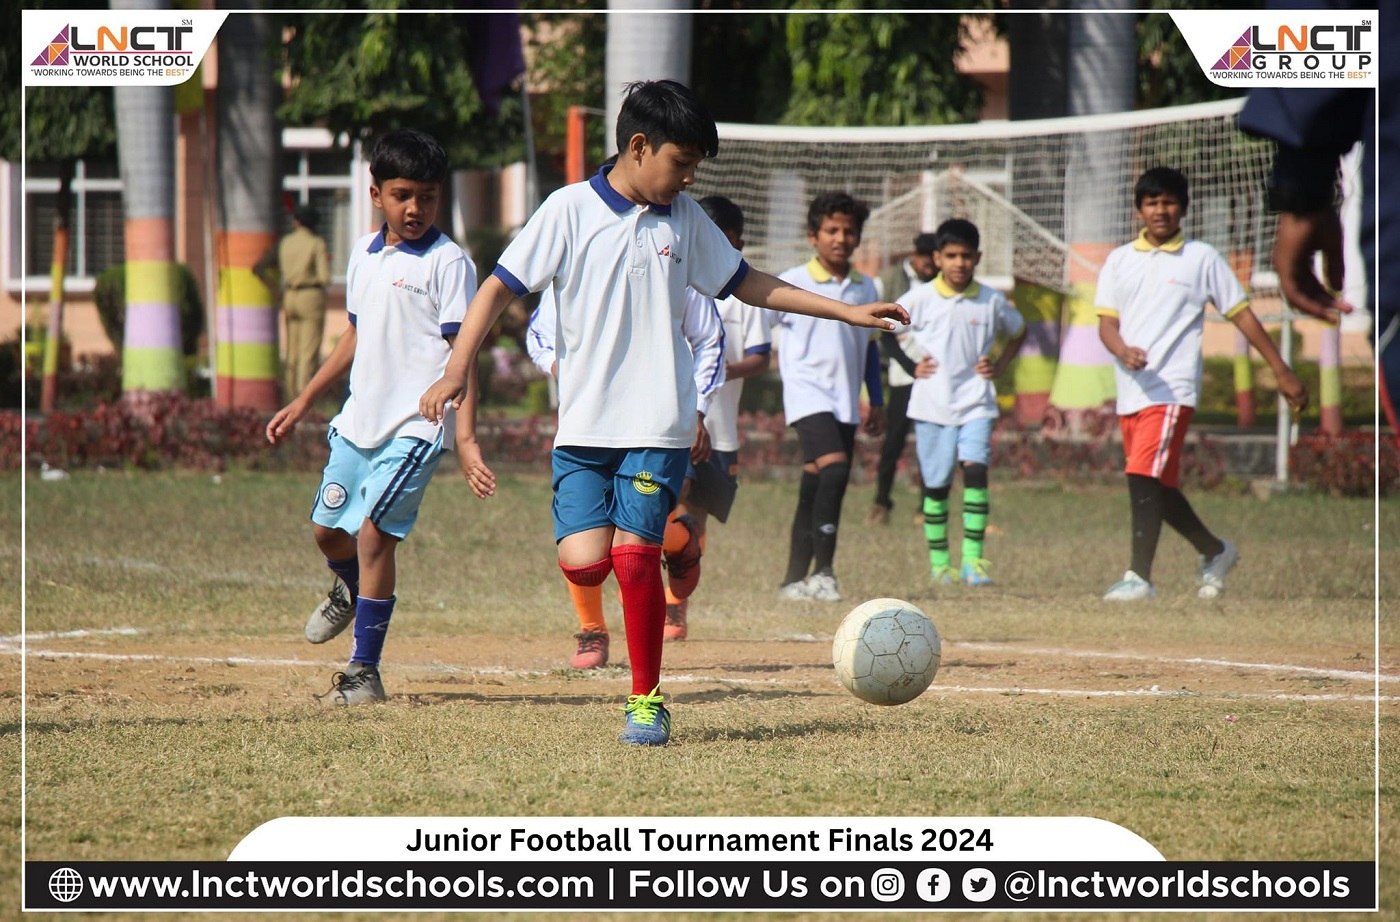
<point>371,624</point>
<point>349,572</point>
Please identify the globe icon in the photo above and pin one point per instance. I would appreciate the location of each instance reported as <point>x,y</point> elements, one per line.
<point>65,885</point>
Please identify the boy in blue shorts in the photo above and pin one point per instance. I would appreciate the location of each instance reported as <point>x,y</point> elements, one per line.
<point>1151,303</point>
<point>407,290</point>
<point>956,322</point>
<point>618,252</point>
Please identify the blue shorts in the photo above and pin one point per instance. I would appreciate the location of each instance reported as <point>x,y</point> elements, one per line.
<point>633,489</point>
<point>942,447</point>
<point>384,484</point>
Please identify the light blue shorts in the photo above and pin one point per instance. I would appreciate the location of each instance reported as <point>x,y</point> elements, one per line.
<point>633,489</point>
<point>942,447</point>
<point>384,484</point>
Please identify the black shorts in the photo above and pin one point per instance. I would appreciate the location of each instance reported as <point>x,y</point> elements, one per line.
<point>715,483</point>
<point>820,434</point>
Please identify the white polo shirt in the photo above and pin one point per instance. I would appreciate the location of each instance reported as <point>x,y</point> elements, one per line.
<point>822,362</point>
<point>956,328</point>
<point>404,302</point>
<point>1159,295</point>
<point>746,333</point>
<point>703,331</point>
<point>618,274</point>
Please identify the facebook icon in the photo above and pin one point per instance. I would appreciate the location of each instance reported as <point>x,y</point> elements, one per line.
<point>933,885</point>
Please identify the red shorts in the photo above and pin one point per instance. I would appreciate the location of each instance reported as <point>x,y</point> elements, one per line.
<point>1152,440</point>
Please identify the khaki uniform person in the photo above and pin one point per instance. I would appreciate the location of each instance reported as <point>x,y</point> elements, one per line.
<point>304,267</point>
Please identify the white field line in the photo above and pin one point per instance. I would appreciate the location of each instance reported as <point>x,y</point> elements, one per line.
<point>9,644</point>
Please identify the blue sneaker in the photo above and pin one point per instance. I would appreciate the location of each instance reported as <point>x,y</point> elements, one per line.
<point>976,572</point>
<point>648,721</point>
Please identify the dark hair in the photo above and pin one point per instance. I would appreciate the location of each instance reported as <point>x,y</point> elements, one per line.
<point>957,230</point>
<point>1162,180</point>
<point>306,216</point>
<point>666,112</point>
<point>926,244</point>
<point>408,154</point>
<point>830,203</point>
<point>726,215</point>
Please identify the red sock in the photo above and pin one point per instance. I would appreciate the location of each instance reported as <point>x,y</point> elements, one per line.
<point>592,575</point>
<point>638,569</point>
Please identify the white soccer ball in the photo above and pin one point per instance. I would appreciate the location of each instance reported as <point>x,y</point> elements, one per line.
<point>886,651</point>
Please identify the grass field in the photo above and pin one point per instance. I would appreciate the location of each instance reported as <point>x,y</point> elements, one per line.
<point>184,715</point>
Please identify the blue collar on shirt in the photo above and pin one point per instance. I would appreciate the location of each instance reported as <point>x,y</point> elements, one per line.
<point>616,200</point>
<point>416,247</point>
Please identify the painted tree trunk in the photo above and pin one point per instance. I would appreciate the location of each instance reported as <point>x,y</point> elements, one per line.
<point>1329,401</point>
<point>644,46</point>
<point>151,356</point>
<point>246,373</point>
<point>58,270</point>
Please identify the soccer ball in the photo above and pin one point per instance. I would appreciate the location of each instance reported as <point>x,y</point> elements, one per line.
<point>886,651</point>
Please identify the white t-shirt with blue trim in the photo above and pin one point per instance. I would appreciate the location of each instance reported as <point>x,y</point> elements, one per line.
<point>746,332</point>
<point>618,274</point>
<point>404,301</point>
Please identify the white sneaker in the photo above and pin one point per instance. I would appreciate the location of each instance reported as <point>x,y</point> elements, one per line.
<point>1211,576</point>
<point>822,587</point>
<point>794,592</point>
<point>1131,588</point>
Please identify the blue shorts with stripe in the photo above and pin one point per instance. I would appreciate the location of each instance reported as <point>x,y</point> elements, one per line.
<point>633,489</point>
<point>942,447</point>
<point>383,484</point>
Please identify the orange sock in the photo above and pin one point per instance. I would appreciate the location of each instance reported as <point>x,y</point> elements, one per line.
<point>588,602</point>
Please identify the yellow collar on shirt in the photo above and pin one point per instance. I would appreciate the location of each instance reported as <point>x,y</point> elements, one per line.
<point>941,286</point>
<point>1171,246</point>
<point>819,274</point>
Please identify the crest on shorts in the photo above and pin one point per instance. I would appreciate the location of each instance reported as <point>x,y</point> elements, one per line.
<point>643,484</point>
<point>333,496</point>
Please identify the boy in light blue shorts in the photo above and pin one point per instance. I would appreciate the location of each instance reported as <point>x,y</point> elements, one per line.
<point>407,290</point>
<point>956,322</point>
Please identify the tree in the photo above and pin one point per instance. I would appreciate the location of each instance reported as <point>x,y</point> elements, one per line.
<point>368,73</point>
<point>64,125</point>
<point>250,182</point>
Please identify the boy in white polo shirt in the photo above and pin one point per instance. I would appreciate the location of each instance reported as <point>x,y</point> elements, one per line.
<point>618,252</point>
<point>704,333</point>
<point>407,290</point>
<point>956,322</point>
<point>822,365</point>
<point>1151,301</point>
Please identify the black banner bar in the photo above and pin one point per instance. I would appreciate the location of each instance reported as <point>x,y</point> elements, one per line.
<point>761,884</point>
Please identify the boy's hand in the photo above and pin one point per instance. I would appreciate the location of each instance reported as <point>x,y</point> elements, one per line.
<point>285,420</point>
<point>985,368</point>
<point>1293,390</point>
<point>926,367</point>
<point>1133,358</point>
<point>435,400</point>
<point>1297,241</point>
<point>479,477</point>
<point>700,451</point>
<point>878,315</point>
<point>874,424</point>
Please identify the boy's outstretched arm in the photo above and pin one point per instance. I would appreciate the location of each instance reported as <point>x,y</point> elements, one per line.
<point>479,477</point>
<point>763,290</point>
<point>336,367</point>
<point>1292,389</point>
<point>491,299</point>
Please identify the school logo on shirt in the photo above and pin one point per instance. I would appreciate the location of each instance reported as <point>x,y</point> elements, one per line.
<point>666,252</point>
<point>643,484</point>
<point>407,286</point>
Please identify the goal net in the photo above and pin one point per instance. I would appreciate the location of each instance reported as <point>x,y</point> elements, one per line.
<point>1045,194</point>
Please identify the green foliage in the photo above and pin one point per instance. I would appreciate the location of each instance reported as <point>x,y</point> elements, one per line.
<point>69,123</point>
<point>875,68</point>
<point>1167,71</point>
<point>109,293</point>
<point>372,72</point>
<point>569,59</point>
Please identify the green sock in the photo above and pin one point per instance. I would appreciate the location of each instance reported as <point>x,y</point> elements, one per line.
<point>976,508</point>
<point>936,531</point>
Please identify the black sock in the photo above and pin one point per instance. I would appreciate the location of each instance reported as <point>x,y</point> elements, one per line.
<point>1145,497</point>
<point>1177,512</point>
<point>800,544</point>
<point>826,513</point>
